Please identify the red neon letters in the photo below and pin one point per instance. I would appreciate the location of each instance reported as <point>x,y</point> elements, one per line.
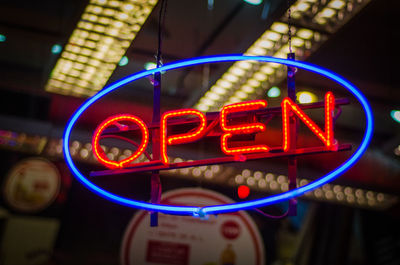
<point>228,130</point>
<point>241,129</point>
<point>114,120</point>
<point>180,138</point>
<point>327,137</point>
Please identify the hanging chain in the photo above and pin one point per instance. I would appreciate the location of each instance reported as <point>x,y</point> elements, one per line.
<point>290,26</point>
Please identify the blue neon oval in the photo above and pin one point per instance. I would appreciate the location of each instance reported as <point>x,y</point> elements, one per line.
<point>192,210</point>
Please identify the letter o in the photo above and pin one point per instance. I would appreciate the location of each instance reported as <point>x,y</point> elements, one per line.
<point>113,120</point>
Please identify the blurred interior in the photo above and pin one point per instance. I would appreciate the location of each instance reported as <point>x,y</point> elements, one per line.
<point>56,54</point>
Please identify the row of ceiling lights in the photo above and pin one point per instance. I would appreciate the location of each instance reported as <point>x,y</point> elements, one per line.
<point>248,79</point>
<point>101,38</point>
<point>98,11</point>
<point>57,49</point>
<point>107,28</point>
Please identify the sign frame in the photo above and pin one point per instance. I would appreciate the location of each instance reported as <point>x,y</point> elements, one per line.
<point>215,209</point>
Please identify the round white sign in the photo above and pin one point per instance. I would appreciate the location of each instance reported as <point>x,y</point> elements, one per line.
<point>226,239</point>
<point>32,185</point>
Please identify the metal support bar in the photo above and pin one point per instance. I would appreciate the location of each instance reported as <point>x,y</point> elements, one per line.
<point>292,160</point>
<point>274,152</point>
<point>155,195</point>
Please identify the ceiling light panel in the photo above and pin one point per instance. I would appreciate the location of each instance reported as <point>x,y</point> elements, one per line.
<point>96,46</point>
<point>326,16</point>
<point>248,79</point>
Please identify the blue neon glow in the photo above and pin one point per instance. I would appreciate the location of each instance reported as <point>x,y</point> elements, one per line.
<point>254,2</point>
<point>197,211</point>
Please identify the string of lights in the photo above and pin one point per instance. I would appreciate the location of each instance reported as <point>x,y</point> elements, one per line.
<point>257,181</point>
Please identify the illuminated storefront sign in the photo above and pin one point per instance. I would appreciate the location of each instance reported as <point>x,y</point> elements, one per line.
<point>228,131</point>
<point>326,136</point>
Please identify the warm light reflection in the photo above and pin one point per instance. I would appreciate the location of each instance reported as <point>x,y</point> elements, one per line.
<point>97,44</point>
<point>306,97</point>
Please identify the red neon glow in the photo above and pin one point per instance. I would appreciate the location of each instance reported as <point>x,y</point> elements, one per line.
<point>245,128</point>
<point>243,191</point>
<point>180,138</point>
<point>114,121</point>
<point>326,137</point>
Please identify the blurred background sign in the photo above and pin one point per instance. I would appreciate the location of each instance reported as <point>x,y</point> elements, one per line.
<point>32,185</point>
<point>28,240</point>
<point>183,240</point>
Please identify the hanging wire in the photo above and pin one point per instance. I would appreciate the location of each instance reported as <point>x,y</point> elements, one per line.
<point>272,216</point>
<point>291,72</point>
<point>290,26</point>
<point>161,19</point>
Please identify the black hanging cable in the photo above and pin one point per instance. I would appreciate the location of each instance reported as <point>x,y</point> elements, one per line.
<point>289,26</point>
<point>161,18</point>
<point>155,176</point>
<point>272,216</point>
<point>292,70</point>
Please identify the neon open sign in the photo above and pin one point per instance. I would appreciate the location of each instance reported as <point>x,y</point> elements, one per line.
<point>242,153</point>
<point>228,131</point>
